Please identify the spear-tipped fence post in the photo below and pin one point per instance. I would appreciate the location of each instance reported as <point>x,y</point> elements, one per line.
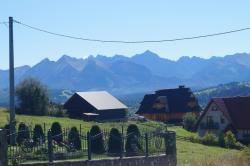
<point>121,148</point>
<point>50,146</point>
<point>80,129</point>
<point>146,144</point>
<point>89,146</point>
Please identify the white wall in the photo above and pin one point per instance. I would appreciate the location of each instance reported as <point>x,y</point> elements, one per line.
<point>216,117</point>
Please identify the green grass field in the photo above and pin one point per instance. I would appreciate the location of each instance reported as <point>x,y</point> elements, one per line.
<point>187,152</point>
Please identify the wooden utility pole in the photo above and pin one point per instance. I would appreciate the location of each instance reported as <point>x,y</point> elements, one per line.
<point>11,85</point>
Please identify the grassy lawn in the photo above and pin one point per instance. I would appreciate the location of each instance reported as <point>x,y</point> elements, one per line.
<point>187,152</point>
<point>67,122</point>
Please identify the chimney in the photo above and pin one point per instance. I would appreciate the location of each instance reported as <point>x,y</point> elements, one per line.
<point>181,86</point>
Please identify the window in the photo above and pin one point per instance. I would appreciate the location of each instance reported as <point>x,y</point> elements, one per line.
<point>222,120</point>
<point>209,120</point>
<point>214,108</point>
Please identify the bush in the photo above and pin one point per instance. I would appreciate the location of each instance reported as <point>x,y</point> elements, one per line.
<point>56,132</point>
<point>23,133</point>
<point>115,141</point>
<point>210,139</point>
<point>33,98</point>
<point>195,139</point>
<point>38,135</point>
<point>56,110</point>
<point>229,139</point>
<point>97,143</point>
<point>132,143</point>
<point>74,139</point>
<point>189,121</point>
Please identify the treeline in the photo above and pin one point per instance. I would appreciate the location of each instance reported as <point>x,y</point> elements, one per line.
<point>223,90</point>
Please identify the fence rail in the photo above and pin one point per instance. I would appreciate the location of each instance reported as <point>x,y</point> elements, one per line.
<point>49,148</point>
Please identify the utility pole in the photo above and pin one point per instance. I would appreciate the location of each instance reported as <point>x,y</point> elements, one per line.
<point>12,85</point>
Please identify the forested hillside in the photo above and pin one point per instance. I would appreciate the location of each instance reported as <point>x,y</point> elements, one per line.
<point>223,90</point>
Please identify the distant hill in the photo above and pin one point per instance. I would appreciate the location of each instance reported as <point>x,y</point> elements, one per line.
<point>140,73</point>
<point>223,90</point>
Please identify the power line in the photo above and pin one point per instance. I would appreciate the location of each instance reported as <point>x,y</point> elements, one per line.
<point>4,22</point>
<point>132,42</point>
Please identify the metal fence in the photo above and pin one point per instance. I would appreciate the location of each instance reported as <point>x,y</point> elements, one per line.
<point>130,144</point>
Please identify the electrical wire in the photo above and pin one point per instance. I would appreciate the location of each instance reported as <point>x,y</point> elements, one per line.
<point>132,42</point>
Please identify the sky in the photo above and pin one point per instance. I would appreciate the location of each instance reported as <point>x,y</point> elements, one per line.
<point>123,20</point>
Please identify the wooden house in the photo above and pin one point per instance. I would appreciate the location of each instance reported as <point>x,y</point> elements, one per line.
<point>100,106</point>
<point>169,105</point>
<point>223,114</point>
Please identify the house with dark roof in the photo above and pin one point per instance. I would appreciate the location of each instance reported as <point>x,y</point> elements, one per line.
<point>99,105</point>
<point>223,114</point>
<point>169,105</point>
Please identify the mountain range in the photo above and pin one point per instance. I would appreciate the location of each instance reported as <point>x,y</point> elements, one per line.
<point>142,72</point>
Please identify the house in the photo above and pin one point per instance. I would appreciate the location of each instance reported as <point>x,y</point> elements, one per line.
<point>223,114</point>
<point>169,105</point>
<point>99,105</point>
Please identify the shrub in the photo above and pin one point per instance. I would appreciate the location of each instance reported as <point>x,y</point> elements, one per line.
<point>132,143</point>
<point>74,139</point>
<point>38,135</point>
<point>189,120</point>
<point>97,142</point>
<point>56,132</point>
<point>56,110</point>
<point>115,141</point>
<point>229,139</point>
<point>23,133</point>
<point>210,139</point>
<point>195,139</point>
<point>32,97</point>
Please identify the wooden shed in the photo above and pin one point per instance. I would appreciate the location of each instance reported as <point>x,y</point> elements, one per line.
<point>98,105</point>
<point>169,105</point>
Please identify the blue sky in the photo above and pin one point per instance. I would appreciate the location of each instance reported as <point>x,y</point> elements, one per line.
<point>123,20</point>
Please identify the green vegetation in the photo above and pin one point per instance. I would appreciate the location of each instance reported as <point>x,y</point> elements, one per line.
<point>229,139</point>
<point>189,121</point>
<point>38,134</point>
<point>74,139</point>
<point>56,132</point>
<point>187,152</point>
<point>132,143</point>
<point>97,142</point>
<point>223,90</point>
<point>115,141</point>
<point>33,97</point>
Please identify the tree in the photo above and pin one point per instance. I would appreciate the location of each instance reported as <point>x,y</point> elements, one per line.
<point>38,135</point>
<point>115,141</point>
<point>74,139</point>
<point>189,121</point>
<point>23,133</point>
<point>32,97</point>
<point>132,144</point>
<point>97,142</point>
<point>56,132</point>
<point>229,139</point>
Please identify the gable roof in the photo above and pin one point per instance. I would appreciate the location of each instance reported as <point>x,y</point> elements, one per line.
<point>101,100</point>
<point>177,100</point>
<point>236,109</point>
